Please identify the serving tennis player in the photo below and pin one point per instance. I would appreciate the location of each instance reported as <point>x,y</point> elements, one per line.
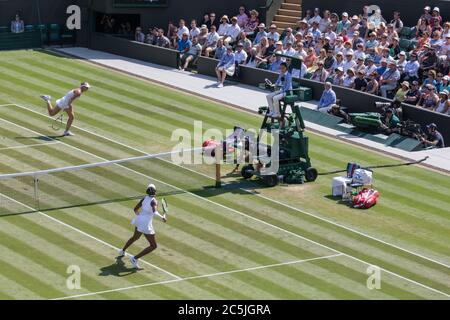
<point>65,104</point>
<point>143,222</point>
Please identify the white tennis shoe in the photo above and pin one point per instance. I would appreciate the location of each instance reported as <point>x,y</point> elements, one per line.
<point>220,85</point>
<point>121,253</point>
<point>46,98</point>
<point>134,262</point>
<point>68,133</point>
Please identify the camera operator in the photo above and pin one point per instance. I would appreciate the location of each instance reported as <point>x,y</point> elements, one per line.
<point>395,105</point>
<point>433,138</point>
<point>389,122</point>
<point>336,111</point>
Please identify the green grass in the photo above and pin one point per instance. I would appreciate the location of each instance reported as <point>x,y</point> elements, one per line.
<point>213,236</point>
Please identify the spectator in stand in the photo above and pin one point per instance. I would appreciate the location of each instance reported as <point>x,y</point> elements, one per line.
<point>397,22</point>
<point>401,93</point>
<point>242,17</point>
<point>211,42</point>
<point>422,26</point>
<point>344,23</point>
<point>232,32</point>
<point>325,22</point>
<point>289,37</point>
<point>327,99</point>
<point>195,31</point>
<point>349,79</point>
<point>359,52</point>
<point>339,46</point>
<point>429,99</point>
<point>372,42</point>
<point>429,59</point>
<point>220,50</point>
<point>338,78</point>
<point>411,69</point>
<point>426,14</point>
<point>261,48</point>
<point>360,83</point>
<point>394,48</point>
<point>252,24</point>
<point>439,82</point>
<point>226,66</point>
<point>431,79</point>
<point>172,33</point>
<point>289,51</point>
<point>310,58</point>
<point>389,79</point>
<point>413,95</point>
<point>212,21</point>
<point>302,28</point>
<point>240,56</point>
<point>183,46</point>
<point>360,66</point>
<point>244,41</point>
<point>273,34</point>
<point>436,14</point>
<point>434,137</point>
<point>349,63</point>
<point>271,48</point>
<point>252,60</point>
<point>329,60</point>
<point>202,36</point>
<point>162,40</point>
<point>357,40</point>
<point>223,28</point>
<point>284,85</point>
<point>139,36</point>
<point>260,34</point>
<point>182,29</point>
<point>446,83</point>
<point>205,19</point>
<point>194,51</point>
<point>339,62</point>
<point>275,64</point>
<point>401,62</point>
<point>316,17</point>
<point>370,68</point>
<point>354,26</point>
<point>300,73</point>
<point>151,36</point>
<point>382,68</point>
<point>372,84</point>
<point>320,74</point>
<point>443,103</point>
<point>17,25</point>
<point>316,34</point>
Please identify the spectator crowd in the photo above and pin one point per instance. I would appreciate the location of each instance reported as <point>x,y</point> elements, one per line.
<point>365,52</point>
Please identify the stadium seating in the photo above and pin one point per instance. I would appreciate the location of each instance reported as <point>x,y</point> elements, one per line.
<point>29,27</point>
<point>44,32</point>
<point>4,29</point>
<point>67,36</point>
<point>54,35</point>
<point>406,33</point>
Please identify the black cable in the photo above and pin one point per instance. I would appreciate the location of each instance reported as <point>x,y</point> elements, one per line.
<point>377,167</point>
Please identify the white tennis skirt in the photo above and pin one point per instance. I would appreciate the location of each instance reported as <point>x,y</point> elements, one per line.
<point>143,223</point>
<point>60,103</point>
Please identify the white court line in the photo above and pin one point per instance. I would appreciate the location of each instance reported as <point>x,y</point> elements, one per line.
<point>261,196</point>
<point>251,217</point>
<point>29,146</point>
<point>200,277</point>
<point>9,104</point>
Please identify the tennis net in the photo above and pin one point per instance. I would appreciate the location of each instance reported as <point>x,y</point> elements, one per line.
<point>95,183</point>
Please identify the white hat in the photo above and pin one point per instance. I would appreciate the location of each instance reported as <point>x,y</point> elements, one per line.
<point>436,9</point>
<point>427,8</point>
<point>85,85</point>
<point>344,14</point>
<point>151,185</point>
<point>402,53</point>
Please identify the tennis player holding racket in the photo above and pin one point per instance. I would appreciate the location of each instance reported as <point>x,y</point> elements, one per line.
<point>65,103</point>
<point>143,222</point>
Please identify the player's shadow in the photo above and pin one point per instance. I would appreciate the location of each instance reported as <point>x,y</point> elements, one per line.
<point>117,269</point>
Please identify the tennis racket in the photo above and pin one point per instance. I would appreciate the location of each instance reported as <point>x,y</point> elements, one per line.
<point>57,123</point>
<point>164,206</point>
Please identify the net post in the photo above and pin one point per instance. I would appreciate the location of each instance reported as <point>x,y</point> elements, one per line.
<point>218,153</point>
<point>36,191</point>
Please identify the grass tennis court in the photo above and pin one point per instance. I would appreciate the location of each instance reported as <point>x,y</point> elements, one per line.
<point>243,241</point>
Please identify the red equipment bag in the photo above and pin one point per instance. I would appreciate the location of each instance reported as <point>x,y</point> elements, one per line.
<point>365,199</point>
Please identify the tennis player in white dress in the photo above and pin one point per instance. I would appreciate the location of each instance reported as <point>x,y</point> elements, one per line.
<point>143,223</point>
<point>65,103</point>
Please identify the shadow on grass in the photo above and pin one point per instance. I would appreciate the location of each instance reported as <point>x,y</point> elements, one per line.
<point>117,269</point>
